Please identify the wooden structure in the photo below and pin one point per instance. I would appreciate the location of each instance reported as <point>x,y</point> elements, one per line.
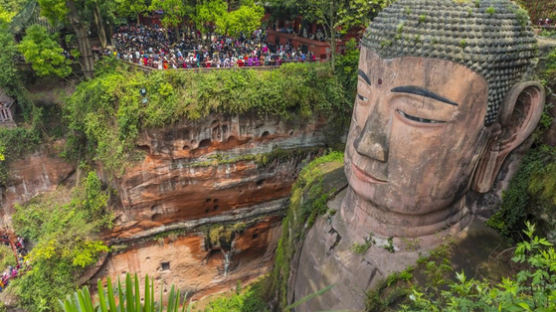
<point>6,109</point>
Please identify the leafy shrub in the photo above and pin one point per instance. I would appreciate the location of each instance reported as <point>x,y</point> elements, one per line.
<point>531,289</point>
<point>361,248</point>
<point>45,55</point>
<point>347,65</point>
<point>550,71</point>
<point>530,195</point>
<point>127,298</point>
<point>249,299</point>
<point>6,257</point>
<point>65,234</point>
<point>107,113</point>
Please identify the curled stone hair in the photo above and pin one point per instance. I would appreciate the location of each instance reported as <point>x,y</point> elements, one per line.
<point>494,38</point>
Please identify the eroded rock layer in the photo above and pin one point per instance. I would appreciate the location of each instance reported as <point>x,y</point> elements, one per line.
<point>201,209</point>
<point>200,169</point>
<point>232,172</point>
<point>186,261</point>
<point>35,174</point>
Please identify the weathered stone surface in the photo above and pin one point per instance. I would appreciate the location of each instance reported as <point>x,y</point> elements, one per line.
<point>327,258</point>
<point>193,268</point>
<point>205,168</point>
<point>197,175</point>
<point>432,125</point>
<point>30,176</point>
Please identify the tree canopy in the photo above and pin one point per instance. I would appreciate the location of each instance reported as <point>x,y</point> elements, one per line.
<point>246,19</point>
<point>131,8</point>
<point>7,57</point>
<point>337,16</point>
<point>210,12</point>
<point>44,53</point>
<point>174,11</point>
<point>9,8</point>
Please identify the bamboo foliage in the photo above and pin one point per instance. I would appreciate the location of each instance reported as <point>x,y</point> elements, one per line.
<point>124,299</point>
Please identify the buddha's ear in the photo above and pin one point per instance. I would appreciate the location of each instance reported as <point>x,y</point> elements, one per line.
<point>519,116</point>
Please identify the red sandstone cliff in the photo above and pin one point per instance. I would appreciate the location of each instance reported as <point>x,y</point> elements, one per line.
<point>194,176</point>
<point>35,174</point>
<point>198,175</point>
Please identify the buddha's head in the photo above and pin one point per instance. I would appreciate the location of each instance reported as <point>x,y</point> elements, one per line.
<point>441,101</point>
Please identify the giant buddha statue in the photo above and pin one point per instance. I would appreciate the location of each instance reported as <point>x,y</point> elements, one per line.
<point>443,97</point>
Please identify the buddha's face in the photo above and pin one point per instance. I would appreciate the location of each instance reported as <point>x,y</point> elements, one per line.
<point>417,132</point>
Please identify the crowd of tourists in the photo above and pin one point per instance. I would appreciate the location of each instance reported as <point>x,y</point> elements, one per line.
<point>11,272</point>
<point>158,48</point>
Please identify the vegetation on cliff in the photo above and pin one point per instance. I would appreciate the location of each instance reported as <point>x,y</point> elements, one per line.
<point>531,194</point>
<point>63,226</point>
<point>107,113</point>
<point>308,201</point>
<point>128,298</point>
<point>6,256</point>
<point>14,143</point>
<point>434,286</point>
<point>248,299</point>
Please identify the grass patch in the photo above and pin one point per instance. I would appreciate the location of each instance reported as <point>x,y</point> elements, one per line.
<point>249,299</point>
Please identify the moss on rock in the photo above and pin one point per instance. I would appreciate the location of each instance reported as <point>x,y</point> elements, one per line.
<point>316,183</point>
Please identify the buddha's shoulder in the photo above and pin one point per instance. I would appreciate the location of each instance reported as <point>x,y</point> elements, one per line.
<point>322,176</point>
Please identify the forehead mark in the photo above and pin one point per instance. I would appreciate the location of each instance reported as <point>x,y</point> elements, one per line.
<point>422,92</point>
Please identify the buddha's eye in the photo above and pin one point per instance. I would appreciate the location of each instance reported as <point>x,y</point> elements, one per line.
<point>419,119</point>
<point>361,98</point>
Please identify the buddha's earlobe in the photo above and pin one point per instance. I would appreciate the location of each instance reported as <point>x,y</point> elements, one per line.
<point>519,116</point>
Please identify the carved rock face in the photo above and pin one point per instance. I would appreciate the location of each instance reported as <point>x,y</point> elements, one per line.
<point>416,137</point>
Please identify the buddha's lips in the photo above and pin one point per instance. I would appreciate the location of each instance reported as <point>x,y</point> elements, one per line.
<point>363,176</point>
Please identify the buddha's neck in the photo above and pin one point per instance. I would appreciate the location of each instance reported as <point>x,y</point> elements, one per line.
<point>363,216</point>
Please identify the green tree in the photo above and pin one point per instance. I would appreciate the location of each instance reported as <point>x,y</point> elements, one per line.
<point>246,19</point>
<point>98,18</point>
<point>78,15</point>
<point>8,74</point>
<point>131,8</point>
<point>174,12</point>
<point>65,235</point>
<point>10,8</point>
<point>41,50</point>
<point>208,13</point>
<point>336,16</point>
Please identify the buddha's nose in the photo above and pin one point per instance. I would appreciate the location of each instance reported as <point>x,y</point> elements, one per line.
<point>373,140</point>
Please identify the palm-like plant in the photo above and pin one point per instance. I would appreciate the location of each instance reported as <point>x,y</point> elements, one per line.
<point>128,298</point>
